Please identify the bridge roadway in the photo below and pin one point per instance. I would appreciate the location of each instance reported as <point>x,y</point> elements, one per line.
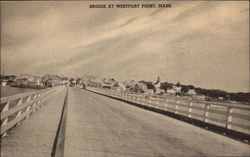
<point>100,126</point>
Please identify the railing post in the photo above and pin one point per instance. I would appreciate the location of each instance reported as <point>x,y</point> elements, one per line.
<point>149,102</point>
<point>34,105</point>
<point>189,113</point>
<point>28,99</point>
<point>138,99</point>
<point>176,106</point>
<point>20,111</point>
<point>143,99</point>
<point>166,104</point>
<point>122,95</point>
<point>133,98</point>
<point>41,102</point>
<point>157,100</point>
<point>35,96</point>
<point>28,108</point>
<point>5,120</point>
<point>206,113</point>
<point>229,117</point>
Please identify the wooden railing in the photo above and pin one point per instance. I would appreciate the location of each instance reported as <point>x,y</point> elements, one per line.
<point>14,109</point>
<point>230,116</point>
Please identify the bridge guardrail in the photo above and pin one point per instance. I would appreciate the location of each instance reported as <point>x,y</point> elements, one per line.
<point>230,116</point>
<point>18,107</point>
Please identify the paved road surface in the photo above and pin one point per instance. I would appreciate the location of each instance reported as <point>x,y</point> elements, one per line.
<point>101,126</point>
<point>35,136</point>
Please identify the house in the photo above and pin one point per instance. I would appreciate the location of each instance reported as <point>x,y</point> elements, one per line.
<point>94,84</point>
<point>176,90</point>
<point>159,91</point>
<point>37,80</point>
<point>220,98</point>
<point>119,86</point>
<point>149,91</point>
<point>8,77</point>
<point>91,80</point>
<point>141,87</point>
<point>191,92</point>
<point>171,91</point>
<point>137,88</point>
<point>51,80</point>
<point>65,80</point>
<point>3,83</point>
<point>27,77</point>
<point>21,82</point>
<point>200,97</point>
<point>108,83</point>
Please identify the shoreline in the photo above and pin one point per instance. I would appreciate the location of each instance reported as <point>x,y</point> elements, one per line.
<point>9,91</point>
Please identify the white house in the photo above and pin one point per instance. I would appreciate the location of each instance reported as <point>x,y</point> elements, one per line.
<point>174,91</point>
<point>3,83</point>
<point>171,91</point>
<point>191,92</point>
<point>148,91</point>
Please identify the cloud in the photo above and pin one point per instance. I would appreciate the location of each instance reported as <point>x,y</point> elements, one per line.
<point>156,12</point>
<point>192,42</point>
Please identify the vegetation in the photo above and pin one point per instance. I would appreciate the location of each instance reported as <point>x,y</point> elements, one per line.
<point>210,93</point>
<point>149,84</point>
<point>28,86</point>
<point>166,86</point>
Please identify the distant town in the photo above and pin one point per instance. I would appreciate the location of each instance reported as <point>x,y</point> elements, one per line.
<point>142,87</point>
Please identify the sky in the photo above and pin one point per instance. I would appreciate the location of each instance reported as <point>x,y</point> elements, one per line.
<point>203,43</point>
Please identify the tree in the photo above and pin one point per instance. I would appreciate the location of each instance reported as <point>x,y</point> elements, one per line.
<point>178,84</point>
<point>185,89</point>
<point>71,80</point>
<point>78,80</point>
<point>165,86</point>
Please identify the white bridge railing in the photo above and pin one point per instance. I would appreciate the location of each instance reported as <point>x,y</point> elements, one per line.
<point>230,116</point>
<point>14,109</point>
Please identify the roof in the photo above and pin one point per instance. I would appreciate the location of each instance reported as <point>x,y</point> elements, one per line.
<point>25,76</point>
<point>50,76</point>
<point>65,78</point>
<point>36,77</point>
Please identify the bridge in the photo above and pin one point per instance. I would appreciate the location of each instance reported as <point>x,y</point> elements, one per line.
<point>72,122</point>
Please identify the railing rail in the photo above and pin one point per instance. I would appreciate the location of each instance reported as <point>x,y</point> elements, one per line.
<point>14,109</point>
<point>230,116</point>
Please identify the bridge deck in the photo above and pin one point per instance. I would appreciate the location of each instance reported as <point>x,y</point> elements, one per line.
<point>101,126</point>
<point>35,136</point>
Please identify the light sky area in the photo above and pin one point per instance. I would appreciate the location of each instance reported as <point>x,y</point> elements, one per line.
<point>203,43</point>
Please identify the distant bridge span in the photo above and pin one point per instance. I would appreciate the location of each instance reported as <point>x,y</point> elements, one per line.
<point>96,125</point>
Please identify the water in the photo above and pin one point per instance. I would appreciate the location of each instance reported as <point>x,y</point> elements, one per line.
<point>8,91</point>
